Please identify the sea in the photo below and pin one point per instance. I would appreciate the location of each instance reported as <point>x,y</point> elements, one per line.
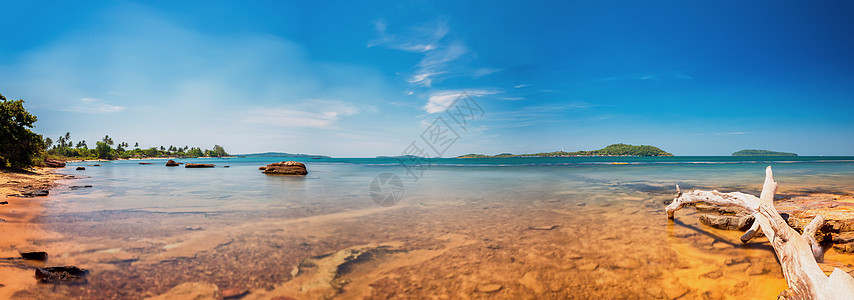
<point>414,228</point>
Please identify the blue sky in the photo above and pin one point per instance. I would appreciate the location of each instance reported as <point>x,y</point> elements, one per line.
<point>352,80</point>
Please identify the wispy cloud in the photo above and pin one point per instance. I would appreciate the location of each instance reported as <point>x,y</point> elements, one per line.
<point>93,106</point>
<point>519,86</point>
<point>439,101</point>
<point>321,114</point>
<point>441,54</point>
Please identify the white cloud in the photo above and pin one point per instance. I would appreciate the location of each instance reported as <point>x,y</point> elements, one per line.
<point>519,86</point>
<point>321,114</point>
<point>94,106</point>
<point>439,101</point>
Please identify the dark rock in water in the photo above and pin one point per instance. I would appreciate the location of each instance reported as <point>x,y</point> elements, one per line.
<point>286,168</point>
<point>171,163</point>
<point>95,165</point>
<point>74,187</point>
<point>80,168</point>
<point>727,222</point>
<point>53,163</point>
<point>4,202</point>
<point>225,166</point>
<point>262,168</point>
<point>67,274</point>
<point>145,163</point>
<point>199,166</point>
<point>39,193</point>
<point>40,255</point>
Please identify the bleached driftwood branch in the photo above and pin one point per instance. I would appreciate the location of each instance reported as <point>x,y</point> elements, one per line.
<point>796,253</point>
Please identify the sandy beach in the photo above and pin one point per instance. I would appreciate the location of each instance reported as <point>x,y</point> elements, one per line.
<point>17,227</point>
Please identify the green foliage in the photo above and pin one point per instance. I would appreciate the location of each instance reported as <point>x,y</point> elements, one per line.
<point>103,151</point>
<point>611,150</point>
<point>19,146</point>
<point>754,152</point>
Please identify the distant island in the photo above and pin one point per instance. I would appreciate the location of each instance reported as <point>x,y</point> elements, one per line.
<point>281,154</point>
<point>754,152</point>
<point>611,150</point>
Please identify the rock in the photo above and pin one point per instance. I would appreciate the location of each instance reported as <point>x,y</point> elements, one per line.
<point>146,163</point>
<point>628,264</point>
<point>234,293</point>
<point>171,163</point>
<point>74,187</point>
<point>4,202</point>
<point>738,260</point>
<point>95,165</point>
<point>39,193</point>
<point>225,166</point>
<point>199,166</point>
<point>721,210</point>
<point>543,227</point>
<point>190,290</point>
<point>262,168</point>
<point>588,267</point>
<point>713,275</point>
<point>40,255</point>
<point>67,274</point>
<point>53,163</point>
<point>286,168</point>
<point>740,223</point>
<point>489,288</point>
<point>677,291</point>
<point>80,168</point>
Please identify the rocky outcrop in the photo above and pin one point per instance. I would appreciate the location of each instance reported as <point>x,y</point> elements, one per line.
<point>171,163</point>
<point>53,163</point>
<point>286,168</point>
<point>199,166</point>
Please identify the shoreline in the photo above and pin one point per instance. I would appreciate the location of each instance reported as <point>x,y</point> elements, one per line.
<point>17,227</point>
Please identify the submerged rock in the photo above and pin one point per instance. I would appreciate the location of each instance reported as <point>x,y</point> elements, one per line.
<point>53,163</point>
<point>191,290</point>
<point>171,163</point>
<point>199,166</point>
<point>67,274</point>
<point>146,163</point>
<point>286,168</point>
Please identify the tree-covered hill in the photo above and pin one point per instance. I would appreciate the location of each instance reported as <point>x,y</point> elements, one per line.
<point>754,152</point>
<point>611,150</point>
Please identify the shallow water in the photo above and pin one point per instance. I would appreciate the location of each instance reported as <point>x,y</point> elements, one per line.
<point>532,228</point>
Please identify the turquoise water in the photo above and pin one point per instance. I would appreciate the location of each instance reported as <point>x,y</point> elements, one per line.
<point>143,229</point>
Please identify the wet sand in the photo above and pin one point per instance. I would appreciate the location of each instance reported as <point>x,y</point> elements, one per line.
<point>18,229</point>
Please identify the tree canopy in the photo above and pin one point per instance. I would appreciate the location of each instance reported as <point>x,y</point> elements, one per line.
<point>19,146</point>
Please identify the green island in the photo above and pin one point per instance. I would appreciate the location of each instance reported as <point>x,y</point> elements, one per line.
<point>754,152</point>
<point>610,150</point>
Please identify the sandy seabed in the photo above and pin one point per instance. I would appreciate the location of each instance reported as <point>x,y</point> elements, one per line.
<point>540,247</point>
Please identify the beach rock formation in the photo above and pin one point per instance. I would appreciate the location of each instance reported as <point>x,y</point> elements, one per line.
<point>171,163</point>
<point>81,168</point>
<point>53,163</point>
<point>199,166</point>
<point>286,168</point>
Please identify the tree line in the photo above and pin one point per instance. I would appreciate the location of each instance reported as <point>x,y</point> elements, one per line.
<point>21,148</point>
<point>64,147</point>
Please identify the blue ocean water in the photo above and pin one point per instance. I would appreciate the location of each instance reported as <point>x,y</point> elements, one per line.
<point>345,182</point>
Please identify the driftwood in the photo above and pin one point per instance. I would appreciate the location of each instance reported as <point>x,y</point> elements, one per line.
<point>798,253</point>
